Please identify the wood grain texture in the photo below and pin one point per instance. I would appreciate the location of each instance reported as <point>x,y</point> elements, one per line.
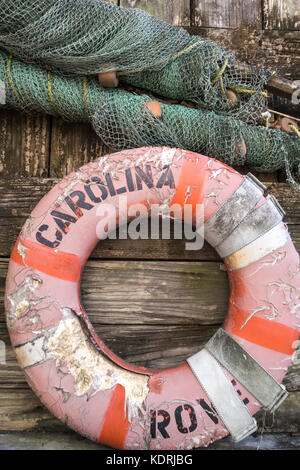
<point>176,12</point>
<point>24,144</point>
<point>150,313</point>
<point>21,410</point>
<point>281,14</point>
<point>20,196</point>
<point>132,293</point>
<point>72,145</point>
<point>151,346</point>
<point>227,13</point>
<point>153,293</point>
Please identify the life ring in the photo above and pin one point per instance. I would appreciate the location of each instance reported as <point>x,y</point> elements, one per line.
<point>216,391</point>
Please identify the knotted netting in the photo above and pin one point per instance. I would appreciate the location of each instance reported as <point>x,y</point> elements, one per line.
<point>92,36</point>
<point>52,51</point>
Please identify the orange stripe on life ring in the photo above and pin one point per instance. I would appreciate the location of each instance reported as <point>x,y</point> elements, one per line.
<point>266,333</point>
<point>115,427</point>
<point>191,185</point>
<point>58,264</point>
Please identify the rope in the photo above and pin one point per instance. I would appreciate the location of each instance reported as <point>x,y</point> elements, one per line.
<point>267,122</point>
<point>267,115</point>
<point>220,73</point>
<point>294,128</point>
<point>176,56</point>
<point>8,68</point>
<point>185,51</point>
<point>247,90</point>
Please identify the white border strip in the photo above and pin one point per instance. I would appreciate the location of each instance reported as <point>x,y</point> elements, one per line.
<point>223,396</point>
<point>275,238</point>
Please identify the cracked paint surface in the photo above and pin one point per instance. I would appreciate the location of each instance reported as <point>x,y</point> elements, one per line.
<point>70,369</point>
<point>92,371</point>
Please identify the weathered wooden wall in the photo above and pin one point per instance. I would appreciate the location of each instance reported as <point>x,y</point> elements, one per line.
<point>145,287</point>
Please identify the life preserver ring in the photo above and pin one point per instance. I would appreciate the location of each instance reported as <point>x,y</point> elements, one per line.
<point>219,389</point>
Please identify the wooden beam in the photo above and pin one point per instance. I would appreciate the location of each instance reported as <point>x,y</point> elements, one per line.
<point>154,314</point>
<point>228,13</point>
<point>281,14</point>
<point>176,12</point>
<point>151,292</point>
<point>21,410</point>
<point>20,196</point>
<point>282,87</point>
<point>24,144</point>
<point>72,145</point>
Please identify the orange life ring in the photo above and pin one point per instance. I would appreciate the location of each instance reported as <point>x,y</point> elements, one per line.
<point>216,391</point>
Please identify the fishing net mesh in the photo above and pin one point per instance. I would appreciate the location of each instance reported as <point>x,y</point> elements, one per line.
<point>52,51</point>
<point>126,122</point>
<point>91,36</point>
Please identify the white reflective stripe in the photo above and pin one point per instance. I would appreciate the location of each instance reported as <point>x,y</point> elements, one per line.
<point>275,238</point>
<point>31,353</point>
<point>223,396</point>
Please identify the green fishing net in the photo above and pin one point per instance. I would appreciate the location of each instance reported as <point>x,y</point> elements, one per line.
<point>125,121</point>
<point>122,119</point>
<point>91,36</point>
<point>53,49</point>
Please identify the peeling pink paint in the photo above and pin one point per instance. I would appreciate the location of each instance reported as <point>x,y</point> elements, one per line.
<point>165,408</point>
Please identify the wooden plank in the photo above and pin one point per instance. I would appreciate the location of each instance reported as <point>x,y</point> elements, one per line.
<point>72,145</point>
<point>148,292</point>
<point>228,13</point>
<point>152,314</point>
<point>24,144</point>
<point>282,88</point>
<point>117,249</point>
<point>176,12</point>
<point>281,14</point>
<point>153,343</point>
<point>146,345</point>
<point>21,410</point>
<point>275,50</point>
<point>266,178</point>
<point>153,293</point>
<point>289,199</point>
<point>20,196</point>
